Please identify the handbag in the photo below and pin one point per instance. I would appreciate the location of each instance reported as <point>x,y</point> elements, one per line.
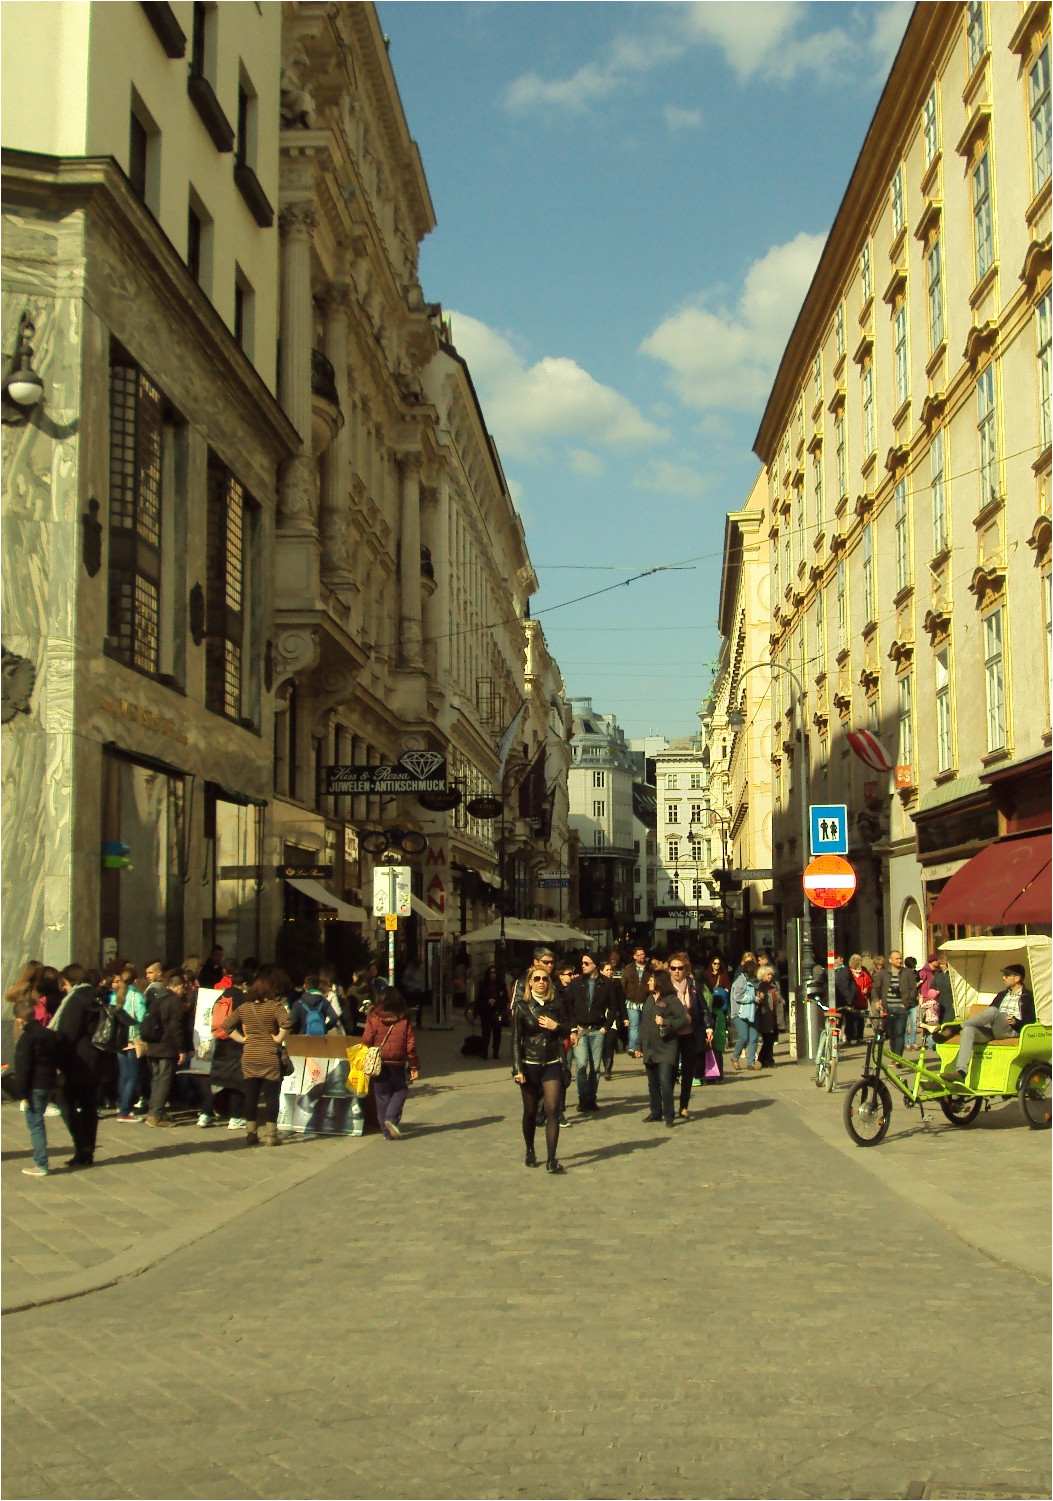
<point>110,1030</point>
<point>374,1059</point>
<point>285,1063</point>
<point>712,1070</point>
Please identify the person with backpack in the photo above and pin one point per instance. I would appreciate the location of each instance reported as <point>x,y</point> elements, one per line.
<point>164,1030</point>
<point>80,1063</point>
<point>312,1014</point>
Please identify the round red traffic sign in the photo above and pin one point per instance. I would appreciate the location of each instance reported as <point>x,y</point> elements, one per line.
<point>829,881</point>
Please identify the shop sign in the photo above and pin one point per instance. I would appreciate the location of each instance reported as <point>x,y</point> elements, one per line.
<point>414,772</point>
<point>904,776</point>
<point>305,872</point>
<point>147,718</point>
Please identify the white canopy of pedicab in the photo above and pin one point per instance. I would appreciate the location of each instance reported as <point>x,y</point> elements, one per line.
<point>975,968</point>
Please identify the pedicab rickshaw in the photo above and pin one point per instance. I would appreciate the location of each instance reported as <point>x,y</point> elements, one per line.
<point>1014,1067</point>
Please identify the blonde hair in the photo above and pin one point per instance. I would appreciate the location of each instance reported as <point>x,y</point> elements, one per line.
<point>539,974</point>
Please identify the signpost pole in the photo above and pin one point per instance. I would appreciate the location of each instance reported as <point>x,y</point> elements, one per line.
<point>392,907</point>
<point>831,992</point>
<point>807,956</point>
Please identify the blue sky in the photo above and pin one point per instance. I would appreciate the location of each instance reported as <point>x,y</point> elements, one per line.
<point>631,199</point>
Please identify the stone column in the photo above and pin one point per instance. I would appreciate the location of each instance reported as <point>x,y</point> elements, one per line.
<point>409,532</point>
<point>440,555</point>
<point>336,467</point>
<point>297,222</point>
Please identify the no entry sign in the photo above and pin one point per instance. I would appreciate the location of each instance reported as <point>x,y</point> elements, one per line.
<point>829,881</point>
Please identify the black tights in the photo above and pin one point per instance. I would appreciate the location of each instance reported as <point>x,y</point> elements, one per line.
<point>270,1089</point>
<point>551,1089</point>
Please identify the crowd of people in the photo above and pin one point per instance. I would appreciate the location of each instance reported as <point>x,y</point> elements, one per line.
<point>125,1039</point>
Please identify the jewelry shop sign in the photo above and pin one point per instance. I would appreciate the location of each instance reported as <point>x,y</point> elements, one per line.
<point>414,772</point>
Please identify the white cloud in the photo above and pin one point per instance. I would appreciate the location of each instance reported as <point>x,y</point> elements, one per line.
<point>765,39</point>
<point>671,479</point>
<point>678,119</point>
<point>584,462</point>
<point>725,358</point>
<point>529,405</point>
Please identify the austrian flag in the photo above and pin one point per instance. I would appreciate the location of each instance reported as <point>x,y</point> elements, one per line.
<point>869,750</point>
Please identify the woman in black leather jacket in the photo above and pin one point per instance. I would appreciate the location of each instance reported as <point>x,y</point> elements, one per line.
<point>540,1026</point>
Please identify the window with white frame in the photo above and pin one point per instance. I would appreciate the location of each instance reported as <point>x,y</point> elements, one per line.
<point>938,490</point>
<point>931,127</point>
<point>976,31</point>
<point>698,891</point>
<point>898,218</point>
<point>902,536</point>
<point>944,733</point>
<point>817,380</point>
<point>899,342</point>
<point>775,569</point>
<point>839,329</point>
<point>983,220</point>
<point>787,557</point>
<point>841,450</point>
<point>820,631</point>
<point>599,808</point>
<point>873,715</point>
<point>1039,100</point>
<point>798,522</point>
<point>1042,347</point>
<point>672,781</point>
<point>842,606</point>
<point>987,432</point>
<point>696,812</point>
<point>866,272</point>
<point>868,574</point>
<point>906,720</point>
<point>869,425</point>
<point>599,839</point>
<point>673,851</point>
<point>994,680</point>
<point>934,280</point>
<point>695,780</point>
<point>696,850</point>
<point>817,489</point>
<point>672,812</point>
<point>599,779</point>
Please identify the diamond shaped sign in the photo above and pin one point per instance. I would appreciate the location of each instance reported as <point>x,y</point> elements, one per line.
<point>421,763</point>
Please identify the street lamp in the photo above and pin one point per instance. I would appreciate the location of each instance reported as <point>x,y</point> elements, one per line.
<point>736,721</point>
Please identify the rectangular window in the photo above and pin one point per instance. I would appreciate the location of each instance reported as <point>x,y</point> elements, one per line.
<point>787,556</point>
<point>994,681</point>
<point>934,278</point>
<point>842,606</point>
<point>931,128</point>
<point>244,312</point>
<point>144,154</point>
<point>817,380</point>
<point>939,493</point>
<point>839,329</point>
<point>869,426</point>
<point>775,569</point>
<point>136,459</point>
<point>674,851</point>
<point>696,849</point>
<point>599,809</point>
<point>906,721</point>
<point>672,813</point>
<point>842,455</point>
<point>1042,347</point>
<point>229,524</point>
<point>695,780</point>
<point>899,336</point>
<point>976,31</point>
<point>987,431</point>
<point>193,242</point>
<point>698,891</point>
<point>868,575</point>
<point>866,273</point>
<point>820,632</point>
<point>817,489</point>
<point>696,812</point>
<point>672,781</point>
<point>599,779</point>
<point>983,223</point>
<point>599,839</point>
<point>1038,93</point>
<point>897,202</point>
<point>138,156</point>
<point>798,522</point>
<point>944,740</point>
<point>902,536</point>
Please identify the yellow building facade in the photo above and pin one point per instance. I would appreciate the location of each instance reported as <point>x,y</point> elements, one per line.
<point>906,444</point>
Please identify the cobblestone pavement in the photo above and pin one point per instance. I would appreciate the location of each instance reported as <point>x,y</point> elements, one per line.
<point>737,1307</point>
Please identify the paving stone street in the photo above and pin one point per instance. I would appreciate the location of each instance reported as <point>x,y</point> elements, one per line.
<point>746,1305</point>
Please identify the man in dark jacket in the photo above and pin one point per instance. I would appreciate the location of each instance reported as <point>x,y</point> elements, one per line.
<point>1011,1009</point>
<point>592,1005</point>
<point>895,990</point>
<point>634,984</point>
<point>165,1055</point>
<point>33,1077</point>
<point>75,1023</point>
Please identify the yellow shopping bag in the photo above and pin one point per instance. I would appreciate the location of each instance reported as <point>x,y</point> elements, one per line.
<point>357,1080</point>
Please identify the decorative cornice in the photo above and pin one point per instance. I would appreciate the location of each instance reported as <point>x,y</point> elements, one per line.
<point>1029,29</point>
<point>1039,540</point>
<point>837,400</point>
<point>815,442</point>
<point>897,458</point>
<point>897,286</point>
<point>1036,261</point>
<point>863,506</point>
<point>976,130</point>
<point>843,704</point>
<point>937,624</point>
<point>864,348</point>
<point>868,680</point>
<point>981,338</point>
<point>987,580</point>
<point>932,408</point>
<point>929,222</point>
<point>902,653</point>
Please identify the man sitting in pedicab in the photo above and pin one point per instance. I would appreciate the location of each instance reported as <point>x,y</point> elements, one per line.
<point>1011,1009</point>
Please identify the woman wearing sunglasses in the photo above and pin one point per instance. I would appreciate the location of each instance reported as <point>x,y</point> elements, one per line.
<point>691,1040</point>
<point>540,1025</point>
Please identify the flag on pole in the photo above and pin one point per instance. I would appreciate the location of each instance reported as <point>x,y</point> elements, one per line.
<point>869,750</point>
<point>505,747</point>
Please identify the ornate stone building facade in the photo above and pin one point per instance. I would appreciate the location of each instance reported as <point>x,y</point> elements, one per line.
<point>907,448</point>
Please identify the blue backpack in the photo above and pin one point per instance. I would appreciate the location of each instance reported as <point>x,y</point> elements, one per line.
<point>313,1017</point>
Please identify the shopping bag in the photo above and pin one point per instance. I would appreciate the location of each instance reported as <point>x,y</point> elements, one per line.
<point>712,1066</point>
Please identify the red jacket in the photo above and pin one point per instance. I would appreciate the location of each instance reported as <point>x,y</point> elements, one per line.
<point>397,1046</point>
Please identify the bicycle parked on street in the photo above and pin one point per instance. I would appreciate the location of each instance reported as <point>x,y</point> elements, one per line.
<point>828,1049</point>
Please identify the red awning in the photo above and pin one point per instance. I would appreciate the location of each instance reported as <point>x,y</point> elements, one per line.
<point>1006,883</point>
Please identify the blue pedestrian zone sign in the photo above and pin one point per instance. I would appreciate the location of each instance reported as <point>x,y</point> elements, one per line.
<point>829,828</point>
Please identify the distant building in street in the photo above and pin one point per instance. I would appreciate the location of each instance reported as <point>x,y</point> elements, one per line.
<point>685,903</point>
<point>645,869</point>
<point>906,443</point>
<point>601,812</point>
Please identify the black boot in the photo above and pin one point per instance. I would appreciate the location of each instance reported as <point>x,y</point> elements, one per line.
<point>531,1157</point>
<point>553,1165</point>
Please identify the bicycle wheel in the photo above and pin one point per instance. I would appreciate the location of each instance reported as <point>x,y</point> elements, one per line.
<point>961,1109</point>
<point>867,1112</point>
<point>1034,1093</point>
<point>822,1060</point>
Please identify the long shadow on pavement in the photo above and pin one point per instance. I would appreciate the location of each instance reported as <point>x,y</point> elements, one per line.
<point>469,1125</point>
<point>619,1149</point>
